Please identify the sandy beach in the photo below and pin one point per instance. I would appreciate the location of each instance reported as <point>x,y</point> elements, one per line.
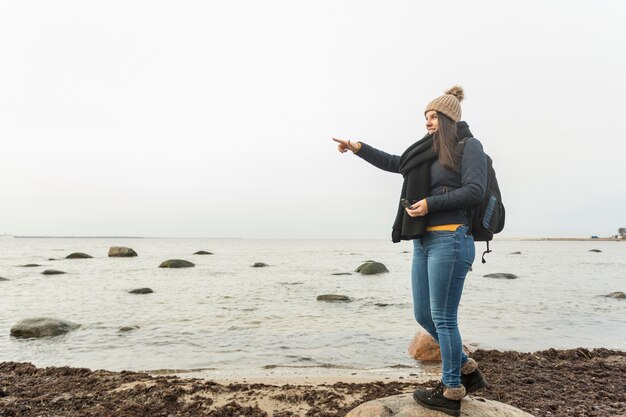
<point>575,382</point>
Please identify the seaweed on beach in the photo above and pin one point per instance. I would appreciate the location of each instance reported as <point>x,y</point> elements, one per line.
<point>555,383</point>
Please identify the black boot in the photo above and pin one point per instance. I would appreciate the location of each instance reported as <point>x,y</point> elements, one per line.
<point>442,398</point>
<point>473,381</point>
<point>471,378</point>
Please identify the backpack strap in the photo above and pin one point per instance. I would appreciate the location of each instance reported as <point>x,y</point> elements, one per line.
<point>470,213</point>
<point>486,252</point>
<point>461,150</point>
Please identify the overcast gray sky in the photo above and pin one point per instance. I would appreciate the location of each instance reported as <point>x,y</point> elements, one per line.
<point>214,119</point>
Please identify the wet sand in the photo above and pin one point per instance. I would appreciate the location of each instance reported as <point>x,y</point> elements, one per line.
<point>576,382</point>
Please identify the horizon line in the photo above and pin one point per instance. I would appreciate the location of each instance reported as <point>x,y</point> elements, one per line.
<point>8,236</point>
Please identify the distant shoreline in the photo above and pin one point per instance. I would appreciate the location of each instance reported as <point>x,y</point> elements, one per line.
<point>115,237</point>
<point>576,239</point>
<point>527,239</point>
<point>78,237</point>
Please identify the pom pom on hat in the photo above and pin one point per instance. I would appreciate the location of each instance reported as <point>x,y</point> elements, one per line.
<point>457,91</point>
<point>448,104</point>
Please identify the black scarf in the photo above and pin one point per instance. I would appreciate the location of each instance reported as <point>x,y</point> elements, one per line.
<point>415,168</point>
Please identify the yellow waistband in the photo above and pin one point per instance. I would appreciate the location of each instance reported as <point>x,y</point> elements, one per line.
<point>443,227</point>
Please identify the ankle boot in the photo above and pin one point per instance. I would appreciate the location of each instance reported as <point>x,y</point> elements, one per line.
<point>442,398</point>
<point>471,378</point>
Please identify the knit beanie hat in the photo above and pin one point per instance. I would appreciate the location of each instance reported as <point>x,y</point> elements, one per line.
<point>448,104</point>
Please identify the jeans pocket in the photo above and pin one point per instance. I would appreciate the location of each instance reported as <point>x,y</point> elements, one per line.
<point>470,248</point>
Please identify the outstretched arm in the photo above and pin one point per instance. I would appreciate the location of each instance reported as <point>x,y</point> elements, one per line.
<point>376,157</point>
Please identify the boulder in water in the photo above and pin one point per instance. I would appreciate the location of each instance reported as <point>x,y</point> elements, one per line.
<point>30,265</point>
<point>42,327</point>
<point>203,252</point>
<point>259,265</point>
<point>126,329</point>
<point>595,250</point>
<point>78,255</point>
<point>334,298</point>
<point>341,273</point>
<point>424,348</point>
<point>176,263</point>
<point>141,291</point>
<point>617,294</point>
<point>504,275</point>
<point>372,268</point>
<point>516,253</point>
<point>52,272</point>
<point>121,252</point>
<point>4,279</point>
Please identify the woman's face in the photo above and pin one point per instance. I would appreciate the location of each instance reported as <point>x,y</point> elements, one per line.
<point>432,123</point>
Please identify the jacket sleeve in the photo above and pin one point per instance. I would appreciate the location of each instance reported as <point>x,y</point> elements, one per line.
<point>379,159</point>
<point>473,181</point>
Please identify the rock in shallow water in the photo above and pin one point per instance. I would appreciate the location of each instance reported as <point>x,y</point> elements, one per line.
<point>334,298</point>
<point>203,252</point>
<point>617,294</point>
<point>78,255</point>
<point>126,329</point>
<point>372,268</point>
<point>177,263</point>
<point>141,291</point>
<point>424,348</point>
<point>4,279</point>
<point>52,272</point>
<point>30,265</point>
<point>121,252</point>
<point>501,275</point>
<point>42,327</point>
<point>405,406</point>
<point>259,265</point>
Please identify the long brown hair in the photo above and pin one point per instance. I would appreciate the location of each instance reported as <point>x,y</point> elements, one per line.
<point>445,140</point>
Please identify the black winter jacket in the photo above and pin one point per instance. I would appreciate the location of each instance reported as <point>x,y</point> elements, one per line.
<point>451,193</point>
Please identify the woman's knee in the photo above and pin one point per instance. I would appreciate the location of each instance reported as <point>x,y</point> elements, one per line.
<point>445,323</point>
<point>424,319</point>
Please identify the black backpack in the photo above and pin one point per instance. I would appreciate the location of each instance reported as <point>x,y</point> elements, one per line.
<point>487,217</point>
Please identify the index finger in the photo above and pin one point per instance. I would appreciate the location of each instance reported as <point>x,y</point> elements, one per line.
<point>339,140</point>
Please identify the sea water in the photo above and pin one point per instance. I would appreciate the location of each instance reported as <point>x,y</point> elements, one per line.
<point>228,318</point>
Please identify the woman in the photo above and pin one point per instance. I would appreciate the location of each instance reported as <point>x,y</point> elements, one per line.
<point>439,186</point>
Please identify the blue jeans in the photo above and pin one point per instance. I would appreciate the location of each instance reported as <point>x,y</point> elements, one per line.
<point>441,260</point>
